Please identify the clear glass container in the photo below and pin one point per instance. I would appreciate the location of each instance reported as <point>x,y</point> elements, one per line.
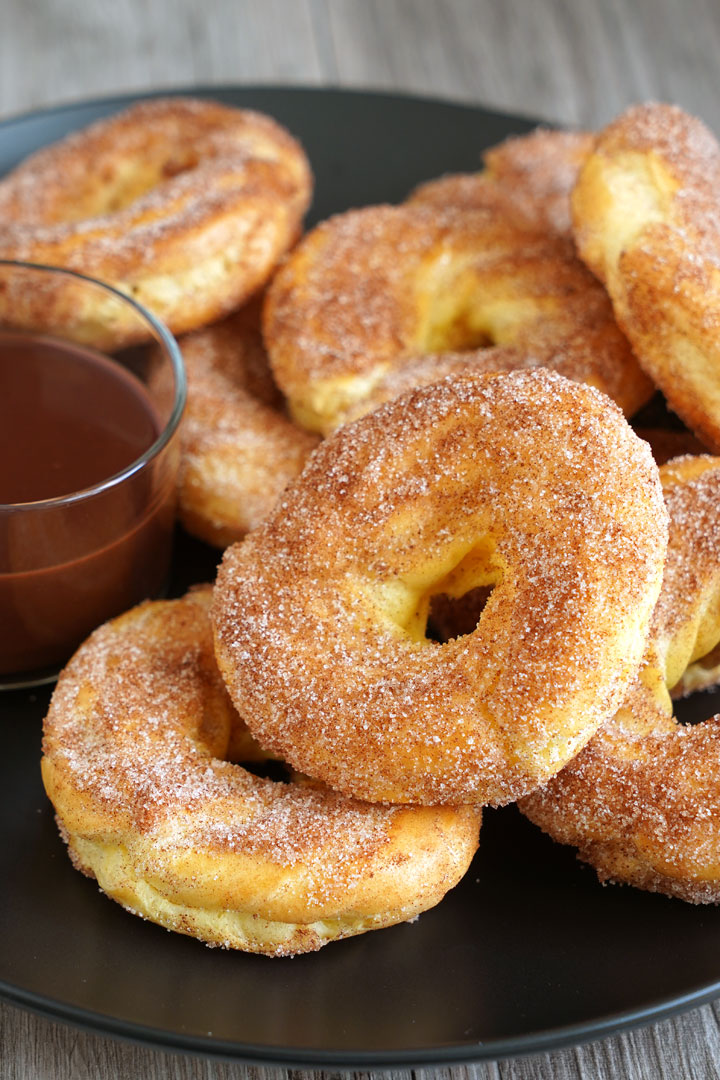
<point>92,389</point>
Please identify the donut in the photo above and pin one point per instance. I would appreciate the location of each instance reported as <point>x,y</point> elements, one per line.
<point>371,291</point>
<point>453,616</point>
<point>238,448</point>
<point>641,802</point>
<point>184,204</point>
<point>527,178</point>
<point>646,223</point>
<point>526,482</point>
<point>585,359</point>
<point>134,762</point>
<point>702,670</point>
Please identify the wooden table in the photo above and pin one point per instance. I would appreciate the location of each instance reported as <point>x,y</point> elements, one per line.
<point>574,61</point>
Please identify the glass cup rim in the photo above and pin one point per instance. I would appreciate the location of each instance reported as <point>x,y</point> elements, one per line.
<point>173,350</point>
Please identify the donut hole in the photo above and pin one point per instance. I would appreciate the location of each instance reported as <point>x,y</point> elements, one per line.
<point>701,674</point>
<point>132,181</point>
<point>178,164</point>
<point>459,334</point>
<point>456,616</point>
<point>710,662</point>
<point>472,308</point>
<point>456,323</point>
<point>279,772</point>
<point>696,705</point>
<point>117,184</point>
<point>270,769</point>
<point>463,582</point>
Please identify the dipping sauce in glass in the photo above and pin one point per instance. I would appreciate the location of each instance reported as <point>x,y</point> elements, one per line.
<point>69,416</point>
<point>76,547</point>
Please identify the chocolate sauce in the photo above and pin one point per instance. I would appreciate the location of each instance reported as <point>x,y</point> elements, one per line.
<point>71,418</point>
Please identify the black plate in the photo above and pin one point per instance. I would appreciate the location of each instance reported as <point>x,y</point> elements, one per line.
<point>528,953</point>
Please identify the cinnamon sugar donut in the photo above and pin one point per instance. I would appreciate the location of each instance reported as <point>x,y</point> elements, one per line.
<point>647,223</point>
<point>134,762</point>
<point>702,670</point>
<point>527,178</point>
<point>239,449</point>
<point>372,291</point>
<point>586,359</point>
<point>185,204</point>
<point>454,616</point>
<point>526,482</point>
<point>641,802</point>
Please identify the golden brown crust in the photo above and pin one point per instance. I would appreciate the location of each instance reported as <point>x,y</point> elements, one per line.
<point>186,205</point>
<point>591,358</point>
<point>527,178</point>
<point>371,291</point>
<point>642,801</point>
<point>239,449</point>
<point>646,223</point>
<point>453,616</point>
<point>524,481</point>
<point>134,749</point>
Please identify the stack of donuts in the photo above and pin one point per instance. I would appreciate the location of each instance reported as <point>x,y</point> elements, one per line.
<point>454,574</point>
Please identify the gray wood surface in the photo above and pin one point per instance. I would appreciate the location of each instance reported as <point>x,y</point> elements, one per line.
<point>577,61</point>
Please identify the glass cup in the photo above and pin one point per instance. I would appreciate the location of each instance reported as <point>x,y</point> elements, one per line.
<point>92,389</point>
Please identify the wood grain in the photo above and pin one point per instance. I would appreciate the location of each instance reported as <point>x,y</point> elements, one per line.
<point>573,61</point>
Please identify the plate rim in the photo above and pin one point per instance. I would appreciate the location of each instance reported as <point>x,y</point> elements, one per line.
<point>207,89</point>
<point>536,1042</point>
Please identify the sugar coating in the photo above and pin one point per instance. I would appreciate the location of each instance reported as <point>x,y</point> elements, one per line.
<point>239,449</point>
<point>545,479</point>
<point>134,750</point>
<point>371,288</point>
<point>693,545</point>
<point>141,755</point>
<point>185,204</point>
<point>176,148</point>
<point>647,223</point>
<point>642,801</point>
<point>528,178</point>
